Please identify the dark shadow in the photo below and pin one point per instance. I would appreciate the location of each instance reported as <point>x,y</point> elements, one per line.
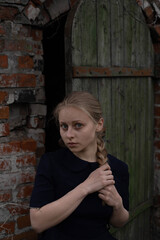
<point>54,72</point>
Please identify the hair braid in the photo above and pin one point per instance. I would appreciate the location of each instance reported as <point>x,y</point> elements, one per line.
<point>101,150</point>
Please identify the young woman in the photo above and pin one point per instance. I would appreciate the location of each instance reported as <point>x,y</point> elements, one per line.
<point>79,189</point>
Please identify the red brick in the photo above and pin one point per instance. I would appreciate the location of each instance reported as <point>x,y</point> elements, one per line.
<point>18,80</point>
<point>38,48</point>
<point>157,144</point>
<point>157,122</point>
<point>157,156</point>
<point>157,29</point>
<point>30,235</point>
<point>3,61</point>
<point>2,44</point>
<point>8,13</point>
<point>25,161</point>
<point>5,195</point>
<point>7,80</point>
<point>18,209</point>
<point>25,62</point>
<point>157,133</point>
<point>5,164</point>
<point>149,14</point>
<point>27,177</point>
<point>8,227</point>
<point>157,201</point>
<point>23,221</point>
<point>3,97</point>
<point>17,178</point>
<point>25,191</point>
<point>21,45</point>
<point>11,147</point>
<point>156,47</point>
<point>37,35</point>
<point>157,111</point>
<point>13,45</point>
<point>157,98</point>
<point>2,30</point>
<point>29,145</point>
<point>4,129</point>
<point>4,112</point>
<point>26,80</point>
<point>156,87</point>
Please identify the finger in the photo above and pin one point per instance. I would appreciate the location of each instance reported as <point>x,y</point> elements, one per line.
<point>109,183</point>
<point>109,172</point>
<point>103,197</point>
<point>106,190</point>
<point>105,166</point>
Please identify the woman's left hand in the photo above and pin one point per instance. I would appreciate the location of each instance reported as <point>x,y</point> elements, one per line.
<point>110,196</point>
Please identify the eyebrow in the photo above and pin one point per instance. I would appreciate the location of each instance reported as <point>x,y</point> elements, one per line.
<point>75,121</point>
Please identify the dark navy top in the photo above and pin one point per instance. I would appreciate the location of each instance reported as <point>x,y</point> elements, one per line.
<point>61,171</point>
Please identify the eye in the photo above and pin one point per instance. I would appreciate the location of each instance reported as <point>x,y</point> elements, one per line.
<point>64,126</point>
<point>78,125</point>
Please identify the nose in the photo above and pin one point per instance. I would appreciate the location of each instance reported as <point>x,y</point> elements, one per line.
<point>70,132</point>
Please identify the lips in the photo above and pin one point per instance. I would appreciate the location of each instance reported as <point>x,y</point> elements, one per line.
<point>71,144</point>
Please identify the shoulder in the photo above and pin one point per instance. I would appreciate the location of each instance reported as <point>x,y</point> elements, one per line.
<point>117,166</point>
<point>54,155</point>
<point>51,158</point>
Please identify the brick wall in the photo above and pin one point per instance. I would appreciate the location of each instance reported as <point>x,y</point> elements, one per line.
<point>22,108</point>
<point>22,120</point>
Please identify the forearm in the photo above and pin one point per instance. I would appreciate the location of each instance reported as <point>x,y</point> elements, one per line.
<point>55,212</point>
<point>119,216</point>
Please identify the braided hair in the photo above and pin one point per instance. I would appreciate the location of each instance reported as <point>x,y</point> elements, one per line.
<point>91,106</point>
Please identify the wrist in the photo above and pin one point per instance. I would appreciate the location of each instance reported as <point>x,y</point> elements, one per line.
<point>83,189</point>
<point>118,206</point>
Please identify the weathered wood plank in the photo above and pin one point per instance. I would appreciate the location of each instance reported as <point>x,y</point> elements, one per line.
<point>130,134</point>
<point>116,31</point>
<point>105,89</point>
<point>137,176</point>
<point>103,35</point>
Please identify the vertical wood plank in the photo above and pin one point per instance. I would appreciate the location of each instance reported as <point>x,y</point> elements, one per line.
<point>116,30</point>
<point>105,98</point>
<point>103,33</point>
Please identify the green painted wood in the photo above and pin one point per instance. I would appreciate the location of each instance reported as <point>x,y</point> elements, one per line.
<point>109,34</point>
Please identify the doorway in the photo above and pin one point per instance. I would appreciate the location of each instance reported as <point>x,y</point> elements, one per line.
<point>54,72</point>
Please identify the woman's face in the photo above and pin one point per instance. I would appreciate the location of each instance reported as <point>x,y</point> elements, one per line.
<point>78,131</point>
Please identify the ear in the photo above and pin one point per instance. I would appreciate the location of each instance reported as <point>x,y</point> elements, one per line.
<point>99,126</point>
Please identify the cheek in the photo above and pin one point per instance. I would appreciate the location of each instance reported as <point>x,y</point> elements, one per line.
<point>61,133</point>
<point>90,133</point>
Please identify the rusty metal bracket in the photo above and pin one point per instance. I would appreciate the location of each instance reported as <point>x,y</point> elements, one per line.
<point>83,71</point>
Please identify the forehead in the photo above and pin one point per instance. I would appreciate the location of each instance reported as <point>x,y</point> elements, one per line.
<point>70,113</point>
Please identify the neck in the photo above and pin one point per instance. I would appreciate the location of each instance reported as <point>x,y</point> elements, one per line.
<point>89,155</point>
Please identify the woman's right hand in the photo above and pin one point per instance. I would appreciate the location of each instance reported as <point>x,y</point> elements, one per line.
<point>99,179</point>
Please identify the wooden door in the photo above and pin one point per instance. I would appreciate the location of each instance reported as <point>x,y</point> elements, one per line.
<point>109,53</point>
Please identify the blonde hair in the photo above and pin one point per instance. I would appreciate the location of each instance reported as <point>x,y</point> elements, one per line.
<point>89,104</point>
